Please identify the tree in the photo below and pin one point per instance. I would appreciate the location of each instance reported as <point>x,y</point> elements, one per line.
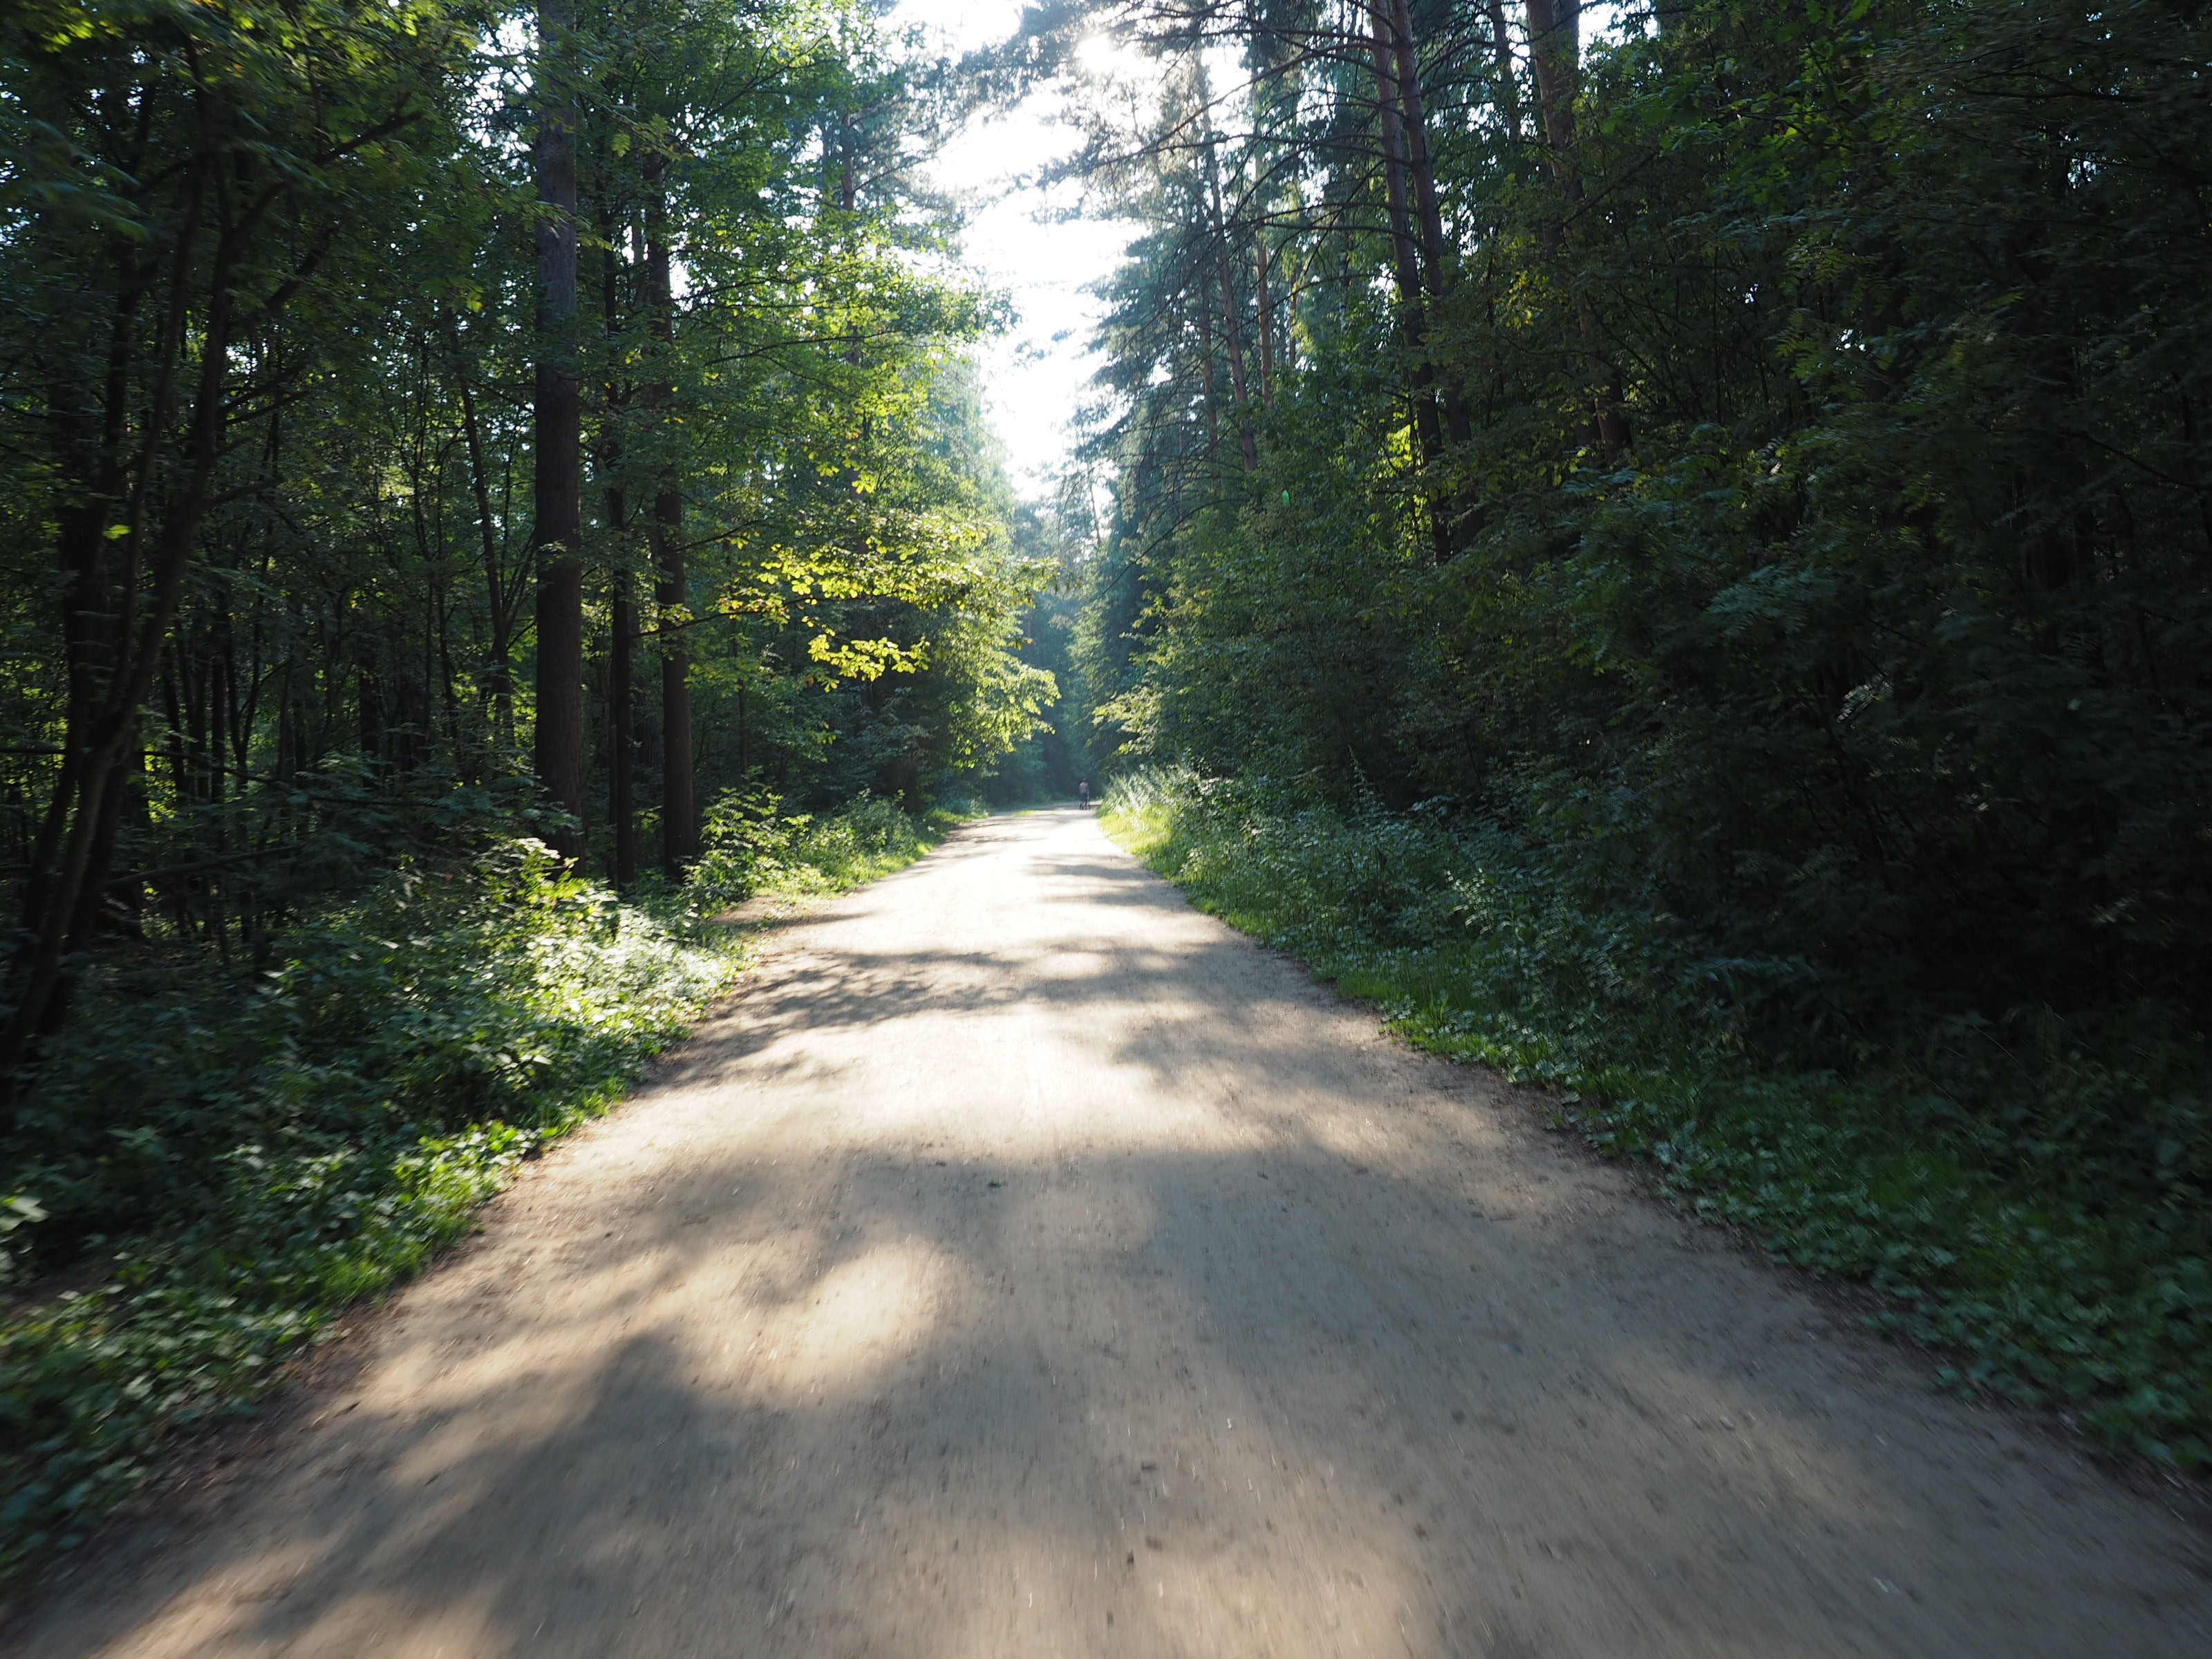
<point>314,441</point>
<point>1822,554</point>
<point>184,180</point>
<point>558,447</point>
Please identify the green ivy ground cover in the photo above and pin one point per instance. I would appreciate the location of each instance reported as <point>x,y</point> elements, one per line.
<point>2005,1200</point>
<point>311,1135</point>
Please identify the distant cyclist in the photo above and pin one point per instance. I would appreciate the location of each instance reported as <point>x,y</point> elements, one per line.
<point>1083,792</point>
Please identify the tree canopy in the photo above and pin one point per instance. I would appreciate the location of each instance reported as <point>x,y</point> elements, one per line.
<point>402,400</point>
<point>1757,452</point>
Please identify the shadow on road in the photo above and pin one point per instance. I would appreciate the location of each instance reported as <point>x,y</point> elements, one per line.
<point>1226,1331</point>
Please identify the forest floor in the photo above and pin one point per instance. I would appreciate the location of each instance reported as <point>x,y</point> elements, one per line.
<point>1024,1263</point>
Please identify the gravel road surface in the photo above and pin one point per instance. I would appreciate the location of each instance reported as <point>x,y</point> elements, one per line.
<point>1021,1264</point>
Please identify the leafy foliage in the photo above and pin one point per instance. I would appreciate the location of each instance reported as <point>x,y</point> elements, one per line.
<point>1819,563</point>
<point>291,979</point>
<point>303,1137</point>
<point>2032,1200</point>
<point>752,847</point>
<point>267,352</point>
<point>1678,562</point>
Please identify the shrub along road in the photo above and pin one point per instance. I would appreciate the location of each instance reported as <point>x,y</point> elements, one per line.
<point>1023,1263</point>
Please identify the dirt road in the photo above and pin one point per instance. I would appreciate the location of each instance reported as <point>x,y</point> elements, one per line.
<point>1024,1265</point>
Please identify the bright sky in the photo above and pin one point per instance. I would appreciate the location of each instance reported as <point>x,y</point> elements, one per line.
<point>1036,372</point>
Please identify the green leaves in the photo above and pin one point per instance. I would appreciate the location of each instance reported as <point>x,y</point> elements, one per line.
<point>16,1213</point>
<point>258,1162</point>
<point>1875,647</point>
<point>2019,1202</point>
<point>348,984</point>
<point>751,847</point>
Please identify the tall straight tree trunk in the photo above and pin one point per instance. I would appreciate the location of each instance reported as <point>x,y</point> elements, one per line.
<point>621,581</point>
<point>1420,165</point>
<point>1555,53</point>
<point>1265,302</point>
<point>679,806</point>
<point>1247,442</point>
<point>1231,332</point>
<point>1501,54</point>
<point>622,710</point>
<point>499,602</point>
<point>1203,312</point>
<point>559,476</point>
<point>1428,435</point>
<point>1405,258</point>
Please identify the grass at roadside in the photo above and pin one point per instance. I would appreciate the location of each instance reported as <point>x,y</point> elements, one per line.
<point>223,1163</point>
<point>1981,1189</point>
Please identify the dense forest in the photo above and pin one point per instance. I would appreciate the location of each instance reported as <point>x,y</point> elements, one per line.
<point>482,488</point>
<point>1675,553</point>
<point>1668,546</point>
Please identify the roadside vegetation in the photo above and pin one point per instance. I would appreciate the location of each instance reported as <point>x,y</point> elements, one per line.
<point>1669,549</point>
<point>231,1159</point>
<point>1677,561</point>
<point>2026,1198</point>
<point>483,491</point>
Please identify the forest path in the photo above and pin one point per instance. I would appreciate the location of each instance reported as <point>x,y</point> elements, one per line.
<point>1024,1264</point>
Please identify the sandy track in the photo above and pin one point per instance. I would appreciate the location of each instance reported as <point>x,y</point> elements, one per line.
<point>1024,1265</point>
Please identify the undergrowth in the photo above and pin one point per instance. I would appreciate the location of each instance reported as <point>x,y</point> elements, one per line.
<point>752,845</point>
<point>2029,1195</point>
<point>221,1162</point>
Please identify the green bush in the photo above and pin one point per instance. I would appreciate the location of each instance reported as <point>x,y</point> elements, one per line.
<point>751,847</point>
<point>746,843</point>
<point>244,1155</point>
<point>247,1154</point>
<point>2033,1198</point>
<point>871,837</point>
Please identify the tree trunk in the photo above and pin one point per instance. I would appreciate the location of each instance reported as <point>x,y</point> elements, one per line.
<point>1421,166</point>
<point>128,617</point>
<point>1509,83</point>
<point>558,537</point>
<point>1405,259</point>
<point>679,808</point>
<point>622,582</point>
<point>622,714</point>
<point>1247,443</point>
<point>1264,300</point>
<point>679,804</point>
<point>1555,51</point>
<point>1412,314</point>
<point>1233,332</point>
<point>1211,398</point>
<point>498,601</point>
